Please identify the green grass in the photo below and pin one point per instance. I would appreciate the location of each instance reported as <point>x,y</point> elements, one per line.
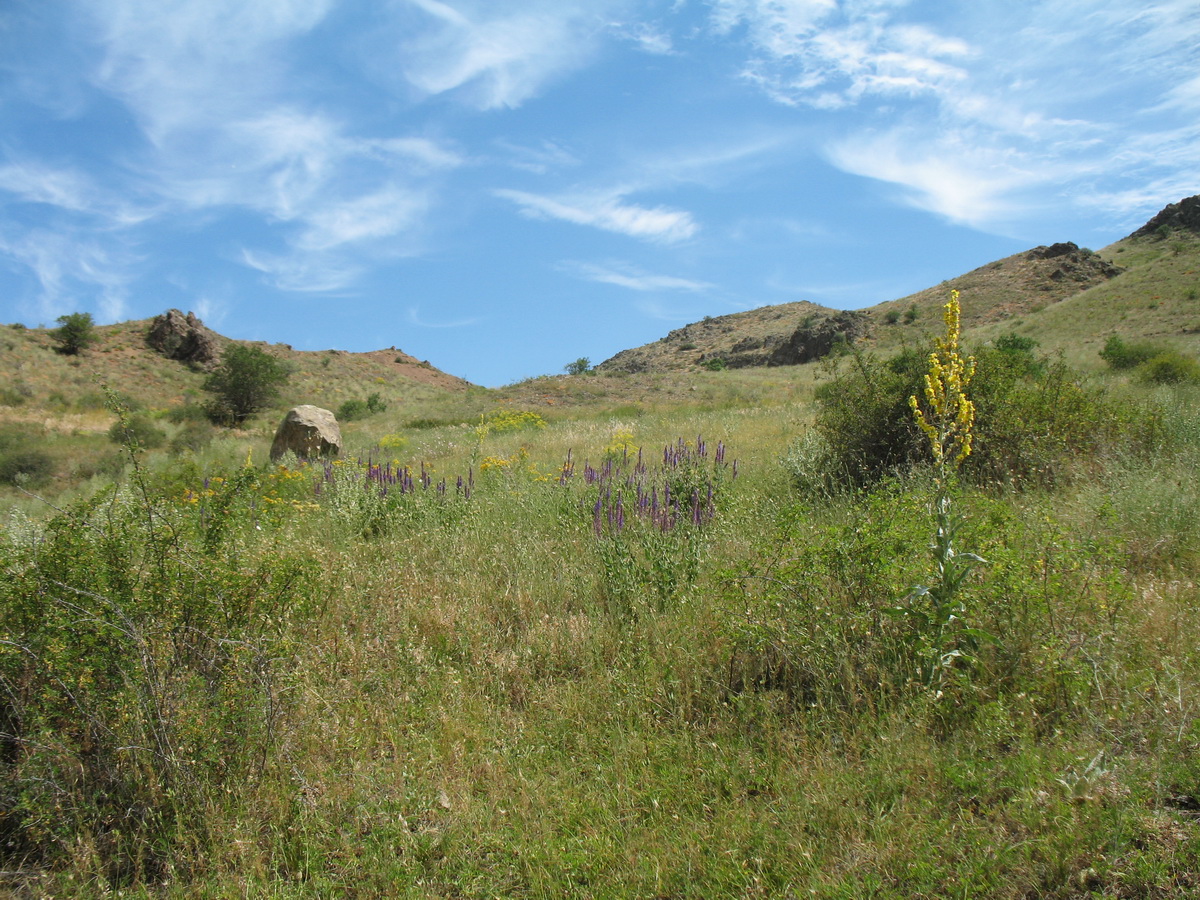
<point>349,695</point>
<point>462,711</point>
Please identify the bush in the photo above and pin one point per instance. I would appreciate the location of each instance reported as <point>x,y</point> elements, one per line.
<point>1120,355</point>
<point>581,366</point>
<point>1015,343</point>
<point>15,395</point>
<point>192,437</point>
<point>74,334</point>
<point>501,420</point>
<point>1032,417</point>
<point>865,420</point>
<point>1169,367</point>
<point>25,466</point>
<point>137,431</point>
<point>187,412</point>
<point>247,380</point>
<point>138,680</point>
<point>353,410</point>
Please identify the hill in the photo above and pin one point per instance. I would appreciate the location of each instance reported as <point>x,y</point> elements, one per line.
<point>35,377</point>
<point>1143,286</point>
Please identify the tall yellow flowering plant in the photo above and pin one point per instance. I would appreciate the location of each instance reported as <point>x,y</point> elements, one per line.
<point>948,420</point>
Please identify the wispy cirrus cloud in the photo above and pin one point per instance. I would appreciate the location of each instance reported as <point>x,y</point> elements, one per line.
<point>210,85</point>
<point>415,317</point>
<point>828,55</point>
<point>973,122</point>
<point>180,65</point>
<point>69,190</point>
<point>69,265</point>
<point>609,212</point>
<point>631,277</point>
<point>498,55</point>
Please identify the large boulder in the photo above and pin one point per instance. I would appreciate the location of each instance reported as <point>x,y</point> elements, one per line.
<point>308,432</point>
<point>184,338</point>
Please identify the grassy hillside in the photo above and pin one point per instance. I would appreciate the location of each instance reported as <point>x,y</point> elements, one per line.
<point>681,634</point>
<point>224,679</point>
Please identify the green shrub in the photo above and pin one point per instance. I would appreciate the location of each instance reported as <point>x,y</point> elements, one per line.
<point>864,418</point>
<point>1121,355</point>
<point>74,334</point>
<point>353,410</point>
<point>15,394</point>
<point>25,466</point>
<point>187,412</point>
<point>716,364</point>
<point>1015,343</point>
<point>1032,418</point>
<point>1169,367</point>
<point>892,316</point>
<point>580,366</point>
<point>138,431</point>
<point>138,679</point>
<point>426,424</point>
<point>247,380</point>
<point>192,438</point>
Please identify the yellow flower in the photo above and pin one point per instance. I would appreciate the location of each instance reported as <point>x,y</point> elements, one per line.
<point>948,419</point>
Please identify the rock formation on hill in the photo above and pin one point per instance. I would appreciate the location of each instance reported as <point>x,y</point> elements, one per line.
<point>184,338</point>
<point>782,335</point>
<point>1181,216</point>
<point>1074,264</point>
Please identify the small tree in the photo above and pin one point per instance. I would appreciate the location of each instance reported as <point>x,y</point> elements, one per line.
<point>247,380</point>
<point>581,366</point>
<point>75,333</point>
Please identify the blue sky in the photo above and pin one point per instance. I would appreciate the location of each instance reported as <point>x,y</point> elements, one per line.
<point>503,186</point>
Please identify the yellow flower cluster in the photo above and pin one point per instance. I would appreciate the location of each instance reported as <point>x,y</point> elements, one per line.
<point>621,444</point>
<point>949,420</point>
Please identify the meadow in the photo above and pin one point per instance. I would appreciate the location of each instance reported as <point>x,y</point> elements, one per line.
<point>735,635</point>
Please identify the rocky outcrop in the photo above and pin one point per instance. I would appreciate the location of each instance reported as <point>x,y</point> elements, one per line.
<point>1181,216</point>
<point>1075,264</point>
<point>308,432</point>
<point>816,340</point>
<point>184,338</point>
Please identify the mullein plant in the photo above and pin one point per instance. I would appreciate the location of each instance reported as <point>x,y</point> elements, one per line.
<point>947,419</point>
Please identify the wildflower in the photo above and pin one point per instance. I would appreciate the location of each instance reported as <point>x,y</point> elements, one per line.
<point>949,415</point>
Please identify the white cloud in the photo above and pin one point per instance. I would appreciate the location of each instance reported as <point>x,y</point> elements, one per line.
<point>499,55</point>
<point>179,63</point>
<point>539,159</point>
<point>610,213</point>
<point>966,183</point>
<point>414,316</point>
<point>69,190</point>
<point>303,273</point>
<point>648,38</point>
<point>824,54</point>
<point>382,214</point>
<point>73,271</point>
<point>632,278</point>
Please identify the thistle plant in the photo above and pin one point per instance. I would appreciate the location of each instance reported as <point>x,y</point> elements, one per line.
<point>947,419</point>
